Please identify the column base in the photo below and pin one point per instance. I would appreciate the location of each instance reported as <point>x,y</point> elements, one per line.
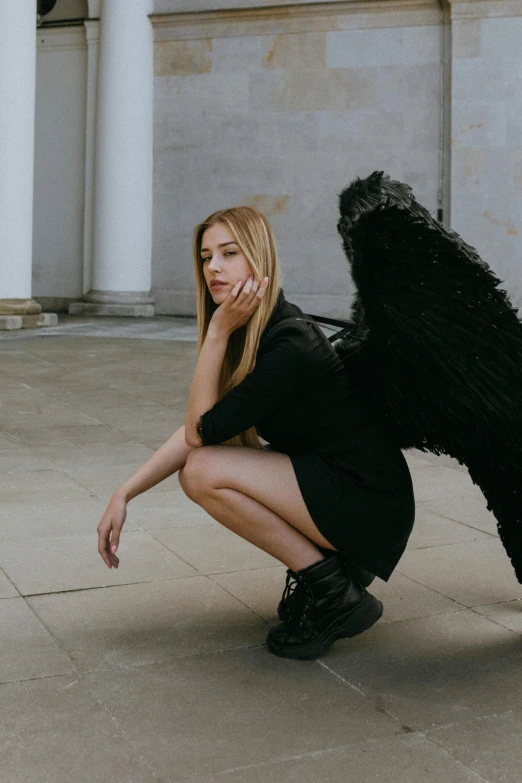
<point>11,322</point>
<point>129,304</point>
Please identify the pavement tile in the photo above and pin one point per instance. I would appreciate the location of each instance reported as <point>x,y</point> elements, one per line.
<point>76,435</point>
<point>40,485</point>
<point>7,588</point>
<point>94,455</point>
<point>27,650</point>
<point>260,589</point>
<point>51,518</point>
<point>51,565</point>
<point>434,530</point>
<point>489,746</point>
<point>442,482</point>
<point>443,460</point>
<point>169,498</point>
<point>417,459</point>
<point>141,416</point>
<point>405,599</point>
<point>408,759</point>
<point>48,414</point>
<point>153,434</point>
<point>103,481</point>
<point>22,459</point>
<point>508,614</point>
<point>471,511</point>
<point>214,549</point>
<point>8,442</point>
<point>178,511</point>
<point>434,671</point>
<point>472,573</point>
<point>204,714</point>
<point>53,731</point>
<point>134,625</point>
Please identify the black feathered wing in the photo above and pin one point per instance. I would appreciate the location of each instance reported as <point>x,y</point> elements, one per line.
<point>436,344</point>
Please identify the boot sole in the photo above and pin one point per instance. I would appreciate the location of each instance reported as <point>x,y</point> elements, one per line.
<point>355,622</point>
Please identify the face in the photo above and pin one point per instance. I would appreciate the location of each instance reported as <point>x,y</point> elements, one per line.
<point>223,262</point>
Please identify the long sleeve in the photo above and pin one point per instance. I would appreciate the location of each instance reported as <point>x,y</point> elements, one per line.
<point>283,368</point>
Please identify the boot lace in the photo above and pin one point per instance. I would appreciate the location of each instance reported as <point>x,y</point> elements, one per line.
<point>290,591</point>
<point>298,589</point>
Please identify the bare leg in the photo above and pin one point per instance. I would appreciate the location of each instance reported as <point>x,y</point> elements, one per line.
<point>255,494</point>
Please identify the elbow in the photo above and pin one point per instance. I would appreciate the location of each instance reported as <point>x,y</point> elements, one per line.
<point>192,440</point>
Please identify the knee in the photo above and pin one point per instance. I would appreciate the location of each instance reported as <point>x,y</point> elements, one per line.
<point>195,476</point>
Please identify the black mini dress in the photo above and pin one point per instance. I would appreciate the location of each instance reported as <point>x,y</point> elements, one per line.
<point>354,480</point>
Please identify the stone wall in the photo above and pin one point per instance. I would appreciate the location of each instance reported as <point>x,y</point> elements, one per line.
<point>280,105</point>
<point>280,109</point>
<point>486,183</point>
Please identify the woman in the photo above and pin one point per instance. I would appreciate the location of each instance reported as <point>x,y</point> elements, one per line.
<point>331,498</point>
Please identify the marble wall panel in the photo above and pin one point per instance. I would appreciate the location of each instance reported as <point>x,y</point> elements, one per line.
<point>357,48</point>
<point>173,58</point>
<point>466,38</point>
<point>486,187</point>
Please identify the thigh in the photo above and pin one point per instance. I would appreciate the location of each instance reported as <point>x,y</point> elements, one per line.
<point>265,476</point>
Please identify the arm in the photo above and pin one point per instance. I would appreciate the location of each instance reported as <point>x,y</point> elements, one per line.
<point>204,391</point>
<point>229,316</point>
<point>168,459</point>
<point>283,368</point>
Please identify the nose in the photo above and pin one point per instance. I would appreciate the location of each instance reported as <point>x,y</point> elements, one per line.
<point>214,264</point>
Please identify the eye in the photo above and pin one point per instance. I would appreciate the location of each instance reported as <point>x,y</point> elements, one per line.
<point>204,260</point>
<point>230,253</point>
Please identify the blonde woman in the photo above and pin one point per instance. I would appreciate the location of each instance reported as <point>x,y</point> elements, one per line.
<point>331,497</point>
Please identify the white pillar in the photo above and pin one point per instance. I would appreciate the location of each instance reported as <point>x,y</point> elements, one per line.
<point>17,111</point>
<point>92,35</point>
<point>17,108</point>
<point>122,209</point>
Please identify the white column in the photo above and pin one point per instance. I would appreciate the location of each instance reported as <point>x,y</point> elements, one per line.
<point>92,35</point>
<point>17,108</point>
<point>122,191</point>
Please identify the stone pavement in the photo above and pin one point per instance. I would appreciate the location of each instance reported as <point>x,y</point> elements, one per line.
<point>158,671</point>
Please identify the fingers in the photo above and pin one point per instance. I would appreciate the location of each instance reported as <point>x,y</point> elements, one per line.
<point>115,540</point>
<point>103,540</point>
<point>252,292</point>
<point>256,292</point>
<point>107,547</point>
<point>237,288</point>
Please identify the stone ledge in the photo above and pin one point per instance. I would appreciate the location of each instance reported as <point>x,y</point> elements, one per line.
<point>11,322</point>
<point>295,18</point>
<point>121,310</point>
<point>484,9</point>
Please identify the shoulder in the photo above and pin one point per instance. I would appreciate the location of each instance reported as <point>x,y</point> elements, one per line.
<point>290,347</point>
<point>295,331</point>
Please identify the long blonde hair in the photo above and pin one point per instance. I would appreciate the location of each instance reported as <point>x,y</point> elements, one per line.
<point>254,236</point>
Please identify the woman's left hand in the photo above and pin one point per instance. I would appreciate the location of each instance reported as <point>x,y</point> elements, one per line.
<point>238,307</point>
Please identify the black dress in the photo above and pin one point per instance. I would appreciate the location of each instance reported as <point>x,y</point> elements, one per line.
<point>353,478</point>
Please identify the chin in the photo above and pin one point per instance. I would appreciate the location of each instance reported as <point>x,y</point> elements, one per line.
<point>218,296</point>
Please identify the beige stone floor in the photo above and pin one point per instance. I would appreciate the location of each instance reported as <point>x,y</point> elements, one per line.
<point>158,671</point>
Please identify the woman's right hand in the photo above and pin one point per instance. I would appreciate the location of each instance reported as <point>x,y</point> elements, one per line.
<point>109,530</point>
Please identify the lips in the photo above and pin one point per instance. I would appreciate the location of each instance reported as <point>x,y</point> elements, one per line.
<point>217,284</point>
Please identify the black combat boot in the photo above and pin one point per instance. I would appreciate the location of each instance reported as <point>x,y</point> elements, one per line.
<point>284,610</point>
<point>328,604</point>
